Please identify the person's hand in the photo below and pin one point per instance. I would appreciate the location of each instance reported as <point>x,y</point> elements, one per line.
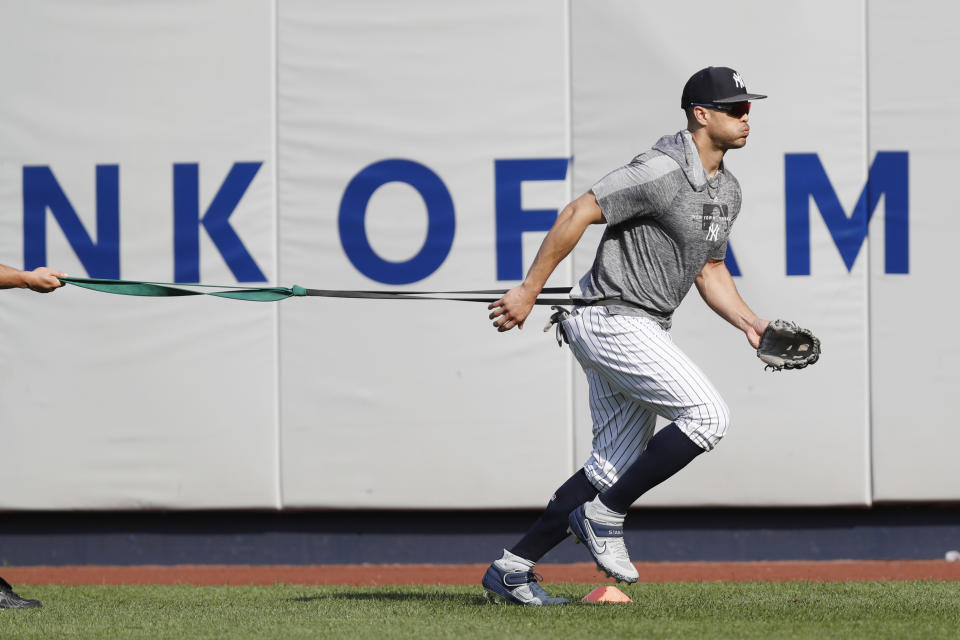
<point>513,308</point>
<point>44,280</point>
<point>755,330</point>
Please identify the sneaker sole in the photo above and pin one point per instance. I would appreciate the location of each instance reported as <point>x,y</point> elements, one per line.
<point>494,598</point>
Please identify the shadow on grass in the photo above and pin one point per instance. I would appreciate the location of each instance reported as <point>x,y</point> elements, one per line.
<point>393,596</point>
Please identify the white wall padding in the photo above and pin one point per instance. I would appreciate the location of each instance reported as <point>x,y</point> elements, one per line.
<point>427,145</point>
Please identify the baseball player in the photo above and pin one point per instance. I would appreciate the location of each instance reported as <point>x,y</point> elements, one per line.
<point>668,215</point>
<point>43,280</point>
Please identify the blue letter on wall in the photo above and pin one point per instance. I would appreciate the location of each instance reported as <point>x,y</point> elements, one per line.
<point>512,219</point>
<point>441,222</point>
<point>888,177</point>
<point>41,191</point>
<point>187,221</point>
<point>731,261</point>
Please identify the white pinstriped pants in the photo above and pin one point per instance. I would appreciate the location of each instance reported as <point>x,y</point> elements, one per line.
<point>635,373</point>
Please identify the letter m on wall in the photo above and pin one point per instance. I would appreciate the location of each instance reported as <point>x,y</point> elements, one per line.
<point>889,177</point>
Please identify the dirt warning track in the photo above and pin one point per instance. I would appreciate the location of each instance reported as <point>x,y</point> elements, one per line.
<point>421,574</point>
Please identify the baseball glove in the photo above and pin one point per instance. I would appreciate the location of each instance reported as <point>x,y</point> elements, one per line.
<point>784,345</point>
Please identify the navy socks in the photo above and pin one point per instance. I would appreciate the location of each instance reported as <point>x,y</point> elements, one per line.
<point>667,452</point>
<point>551,528</point>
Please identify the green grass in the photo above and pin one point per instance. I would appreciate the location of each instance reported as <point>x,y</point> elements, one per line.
<point>689,610</point>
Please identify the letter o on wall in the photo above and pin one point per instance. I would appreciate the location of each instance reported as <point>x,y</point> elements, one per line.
<point>441,222</point>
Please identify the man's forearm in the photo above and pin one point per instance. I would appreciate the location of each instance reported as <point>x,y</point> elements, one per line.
<point>10,278</point>
<point>718,290</point>
<point>513,308</point>
<point>566,232</point>
<point>558,244</point>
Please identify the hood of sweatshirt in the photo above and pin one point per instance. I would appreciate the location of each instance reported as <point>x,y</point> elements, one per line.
<point>681,147</point>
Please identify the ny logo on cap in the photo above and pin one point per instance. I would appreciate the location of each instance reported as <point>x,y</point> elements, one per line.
<point>738,80</point>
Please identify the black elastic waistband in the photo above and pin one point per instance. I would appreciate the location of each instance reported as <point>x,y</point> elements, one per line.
<point>614,302</point>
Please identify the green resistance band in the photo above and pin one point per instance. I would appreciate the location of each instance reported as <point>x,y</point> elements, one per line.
<point>166,289</point>
<point>273,294</point>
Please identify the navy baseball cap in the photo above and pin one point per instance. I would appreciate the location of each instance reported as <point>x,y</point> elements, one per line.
<point>716,85</point>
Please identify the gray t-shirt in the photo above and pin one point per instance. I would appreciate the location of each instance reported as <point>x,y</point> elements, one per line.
<point>665,220</point>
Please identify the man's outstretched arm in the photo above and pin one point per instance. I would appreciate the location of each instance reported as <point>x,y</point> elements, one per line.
<point>40,279</point>
<point>513,308</point>
<point>718,290</point>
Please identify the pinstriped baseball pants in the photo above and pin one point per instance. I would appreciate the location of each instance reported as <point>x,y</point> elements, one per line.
<point>636,372</point>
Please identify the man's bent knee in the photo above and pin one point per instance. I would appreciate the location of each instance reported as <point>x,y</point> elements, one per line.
<point>706,424</point>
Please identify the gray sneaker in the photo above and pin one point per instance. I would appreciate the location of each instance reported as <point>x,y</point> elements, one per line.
<point>517,587</point>
<point>10,600</point>
<point>605,543</point>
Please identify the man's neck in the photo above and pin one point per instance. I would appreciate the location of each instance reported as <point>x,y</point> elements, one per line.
<point>711,157</point>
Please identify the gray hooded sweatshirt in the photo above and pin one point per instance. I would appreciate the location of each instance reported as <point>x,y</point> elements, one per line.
<point>665,220</point>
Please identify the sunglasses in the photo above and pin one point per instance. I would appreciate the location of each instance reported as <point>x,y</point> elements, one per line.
<point>737,109</point>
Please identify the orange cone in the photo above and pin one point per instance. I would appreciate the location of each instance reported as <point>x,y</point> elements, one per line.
<point>607,594</point>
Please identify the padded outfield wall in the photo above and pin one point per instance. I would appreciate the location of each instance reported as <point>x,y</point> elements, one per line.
<point>377,145</point>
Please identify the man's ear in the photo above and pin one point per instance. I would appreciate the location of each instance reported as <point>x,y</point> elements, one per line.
<point>700,115</point>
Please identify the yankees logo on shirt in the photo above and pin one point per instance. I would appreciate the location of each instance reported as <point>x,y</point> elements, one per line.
<point>714,214</point>
<point>714,220</point>
<point>713,232</point>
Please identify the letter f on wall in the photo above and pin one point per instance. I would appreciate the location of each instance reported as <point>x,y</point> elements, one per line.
<point>216,220</point>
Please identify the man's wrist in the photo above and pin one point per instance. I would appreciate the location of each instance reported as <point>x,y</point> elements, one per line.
<point>531,287</point>
<point>747,324</point>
